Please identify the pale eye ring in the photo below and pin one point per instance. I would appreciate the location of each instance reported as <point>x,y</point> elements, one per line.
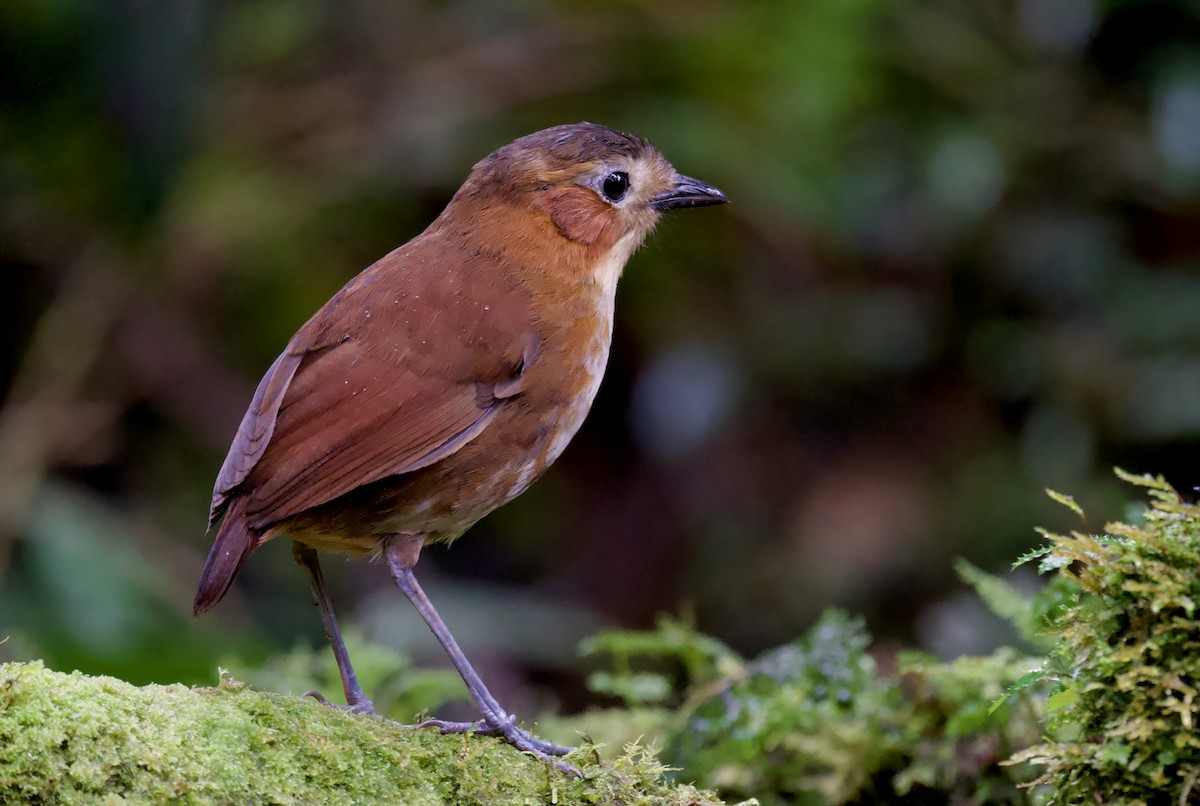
<point>615,186</point>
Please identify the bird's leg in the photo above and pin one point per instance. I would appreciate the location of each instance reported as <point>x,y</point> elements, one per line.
<point>402,552</point>
<point>356,701</point>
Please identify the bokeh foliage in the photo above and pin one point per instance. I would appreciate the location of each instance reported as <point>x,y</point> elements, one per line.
<point>959,266</point>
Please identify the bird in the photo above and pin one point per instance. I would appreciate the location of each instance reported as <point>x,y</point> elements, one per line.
<point>445,378</point>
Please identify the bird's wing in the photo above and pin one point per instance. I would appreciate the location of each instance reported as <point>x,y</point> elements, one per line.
<point>254,433</point>
<point>377,383</point>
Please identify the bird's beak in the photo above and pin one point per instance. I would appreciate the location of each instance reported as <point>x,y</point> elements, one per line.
<point>688,192</point>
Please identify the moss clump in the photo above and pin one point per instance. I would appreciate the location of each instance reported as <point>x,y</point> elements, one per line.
<point>812,720</point>
<point>75,738</point>
<point>1126,662</point>
<point>817,722</point>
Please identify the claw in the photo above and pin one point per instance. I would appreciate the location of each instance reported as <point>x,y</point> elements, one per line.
<point>318,696</point>
<point>363,706</point>
<point>521,739</point>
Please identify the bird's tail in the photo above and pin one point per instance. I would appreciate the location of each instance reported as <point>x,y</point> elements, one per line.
<point>234,543</point>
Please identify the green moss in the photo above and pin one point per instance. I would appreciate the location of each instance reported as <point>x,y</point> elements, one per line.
<point>1126,663</point>
<point>611,729</point>
<point>811,720</point>
<point>72,738</point>
<point>817,722</point>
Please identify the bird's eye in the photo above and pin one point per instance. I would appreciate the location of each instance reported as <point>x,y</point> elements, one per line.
<point>615,186</point>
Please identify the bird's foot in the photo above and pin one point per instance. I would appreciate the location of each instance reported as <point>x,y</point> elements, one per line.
<point>483,728</point>
<point>521,739</point>
<point>358,706</point>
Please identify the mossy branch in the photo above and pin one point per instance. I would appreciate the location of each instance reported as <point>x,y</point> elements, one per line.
<point>72,737</point>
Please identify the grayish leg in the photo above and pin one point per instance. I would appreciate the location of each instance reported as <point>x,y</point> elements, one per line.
<point>402,552</point>
<point>356,701</point>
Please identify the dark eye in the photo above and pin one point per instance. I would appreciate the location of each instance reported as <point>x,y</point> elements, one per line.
<point>615,185</point>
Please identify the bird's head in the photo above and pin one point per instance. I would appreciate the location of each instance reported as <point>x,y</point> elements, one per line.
<point>601,189</point>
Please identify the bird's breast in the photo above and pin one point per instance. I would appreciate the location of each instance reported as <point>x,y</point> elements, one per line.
<point>581,376</point>
<point>575,335</point>
<point>536,428</point>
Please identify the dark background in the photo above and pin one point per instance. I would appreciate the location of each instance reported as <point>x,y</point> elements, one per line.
<point>960,266</point>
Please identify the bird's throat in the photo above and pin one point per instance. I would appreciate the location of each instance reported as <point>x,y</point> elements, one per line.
<point>607,270</point>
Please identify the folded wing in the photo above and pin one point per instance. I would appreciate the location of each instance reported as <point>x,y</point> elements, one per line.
<point>358,397</point>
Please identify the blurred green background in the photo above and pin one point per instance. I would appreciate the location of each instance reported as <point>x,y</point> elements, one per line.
<point>960,266</point>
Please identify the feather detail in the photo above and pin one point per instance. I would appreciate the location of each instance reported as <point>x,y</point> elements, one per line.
<point>233,545</point>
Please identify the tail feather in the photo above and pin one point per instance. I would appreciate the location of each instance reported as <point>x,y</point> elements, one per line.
<point>234,543</point>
